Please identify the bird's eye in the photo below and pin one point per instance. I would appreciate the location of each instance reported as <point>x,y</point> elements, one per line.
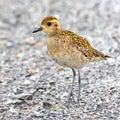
<point>49,23</point>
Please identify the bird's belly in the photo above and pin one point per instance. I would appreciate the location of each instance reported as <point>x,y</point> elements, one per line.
<point>68,60</point>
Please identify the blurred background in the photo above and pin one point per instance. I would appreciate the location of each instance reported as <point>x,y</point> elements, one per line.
<point>26,66</point>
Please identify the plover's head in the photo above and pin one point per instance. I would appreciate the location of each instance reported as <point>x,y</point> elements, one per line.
<point>50,25</point>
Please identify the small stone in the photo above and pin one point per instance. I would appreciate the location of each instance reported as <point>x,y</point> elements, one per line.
<point>47,105</point>
<point>18,91</point>
<point>19,55</point>
<point>31,71</point>
<point>39,44</point>
<point>60,68</point>
<point>29,40</point>
<point>25,96</point>
<point>26,82</point>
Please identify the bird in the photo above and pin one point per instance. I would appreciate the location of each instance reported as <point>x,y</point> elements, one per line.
<point>69,49</point>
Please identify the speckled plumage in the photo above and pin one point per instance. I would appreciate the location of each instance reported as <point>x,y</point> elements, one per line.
<point>67,48</point>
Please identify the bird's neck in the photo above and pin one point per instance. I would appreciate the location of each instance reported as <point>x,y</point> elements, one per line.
<point>54,33</point>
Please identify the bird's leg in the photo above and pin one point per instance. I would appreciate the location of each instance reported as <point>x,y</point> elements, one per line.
<point>79,86</point>
<point>71,90</point>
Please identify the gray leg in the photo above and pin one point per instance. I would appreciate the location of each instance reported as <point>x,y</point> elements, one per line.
<point>71,90</point>
<point>79,83</point>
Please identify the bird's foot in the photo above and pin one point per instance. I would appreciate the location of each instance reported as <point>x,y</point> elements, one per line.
<point>70,98</point>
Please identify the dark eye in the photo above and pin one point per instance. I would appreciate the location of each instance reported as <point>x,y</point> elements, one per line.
<point>49,23</point>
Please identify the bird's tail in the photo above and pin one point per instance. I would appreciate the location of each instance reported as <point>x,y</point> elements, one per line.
<point>99,56</point>
<point>106,56</point>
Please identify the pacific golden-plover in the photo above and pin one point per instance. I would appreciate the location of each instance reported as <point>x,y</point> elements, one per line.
<point>68,49</point>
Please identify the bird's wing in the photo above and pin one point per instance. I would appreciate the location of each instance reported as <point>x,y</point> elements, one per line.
<point>82,45</point>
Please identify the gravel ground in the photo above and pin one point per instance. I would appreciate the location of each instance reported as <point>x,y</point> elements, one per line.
<point>32,86</point>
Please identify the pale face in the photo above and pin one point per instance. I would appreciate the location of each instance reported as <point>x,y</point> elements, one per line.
<point>51,26</point>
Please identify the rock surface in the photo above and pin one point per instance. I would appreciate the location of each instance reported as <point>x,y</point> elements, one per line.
<point>32,86</point>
